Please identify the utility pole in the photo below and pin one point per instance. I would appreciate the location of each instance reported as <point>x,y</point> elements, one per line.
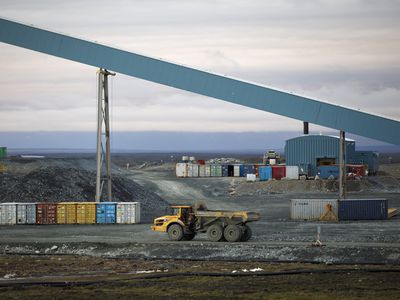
<point>103,136</point>
<point>342,166</point>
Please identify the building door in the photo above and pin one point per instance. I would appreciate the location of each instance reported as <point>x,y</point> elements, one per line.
<point>326,161</point>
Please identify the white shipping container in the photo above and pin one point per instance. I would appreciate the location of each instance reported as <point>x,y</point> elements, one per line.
<point>272,161</point>
<point>181,170</point>
<point>292,172</point>
<point>202,171</point>
<point>128,212</point>
<point>208,171</point>
<point>26,213</point>
<point>8,213</point>
<point>193,170</point>
<point>311,209</point>
<point>236,170</point>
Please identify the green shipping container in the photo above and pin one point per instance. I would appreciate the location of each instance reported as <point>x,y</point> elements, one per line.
<point>216,170</point>
<point>3,152</point>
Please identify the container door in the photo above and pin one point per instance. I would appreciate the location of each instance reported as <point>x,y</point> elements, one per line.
<point>31,214</point>
<point>21,213</point>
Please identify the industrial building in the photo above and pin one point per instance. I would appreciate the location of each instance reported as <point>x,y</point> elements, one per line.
<point>308,152</point>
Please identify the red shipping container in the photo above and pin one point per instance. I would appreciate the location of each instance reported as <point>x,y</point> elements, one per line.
<point>201,162</point>
<point>278,172</point>
<point>46,213</point>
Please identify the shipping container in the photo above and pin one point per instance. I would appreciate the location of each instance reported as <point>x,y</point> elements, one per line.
<point>265,173</point>
<point>106,212</point>
<point>247,169</point>
<point>201,162</point>
<point>128,212</point>
<point>231,170</point>
<point>8,214</point>
<point>311,209</point>
<point>292,172</point>
<point>256,169</point>
<point>278,172</point>
<point>236,170</point>
<point>26,213</point>
<point>86,213</point>
<point>202,170</point>
<point>216,170</point>
<point>193,170</point>
<point>208,170</point>
<point>3,152</point>
<point>66,213</point>
<point>181,170</point>
<point>363,209</point>
<point>46,213</point>
<point>330,171</point>
<point>225,170</point>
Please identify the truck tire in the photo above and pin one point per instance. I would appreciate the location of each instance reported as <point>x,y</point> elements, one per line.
<point>247,233</point>
<point>189,236</point>
<point>175,232</point>
<point>233,233</point>
<point>215,233</point>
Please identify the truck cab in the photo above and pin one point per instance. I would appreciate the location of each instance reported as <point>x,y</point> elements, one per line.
<point>181,215</point>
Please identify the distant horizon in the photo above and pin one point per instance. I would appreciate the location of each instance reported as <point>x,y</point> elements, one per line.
<point>167,141</point>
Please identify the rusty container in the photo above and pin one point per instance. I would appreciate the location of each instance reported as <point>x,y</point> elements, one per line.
<point>46,213</point>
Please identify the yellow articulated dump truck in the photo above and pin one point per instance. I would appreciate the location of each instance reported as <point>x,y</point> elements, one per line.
<point>187,221</point>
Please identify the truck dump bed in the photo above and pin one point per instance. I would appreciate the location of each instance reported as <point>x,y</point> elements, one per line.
<point>246,216</point>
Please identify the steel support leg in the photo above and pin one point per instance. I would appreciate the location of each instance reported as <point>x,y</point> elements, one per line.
<point>342,166</point>
<point>103,136</point>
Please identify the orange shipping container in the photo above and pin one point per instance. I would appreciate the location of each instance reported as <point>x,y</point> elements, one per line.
<point>66,213</point>
<point>86,213</point>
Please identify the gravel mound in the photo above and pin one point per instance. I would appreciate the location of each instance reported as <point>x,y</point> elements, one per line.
<point>59,184</point>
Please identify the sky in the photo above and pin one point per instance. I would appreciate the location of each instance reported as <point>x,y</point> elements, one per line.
<point>342,52</point>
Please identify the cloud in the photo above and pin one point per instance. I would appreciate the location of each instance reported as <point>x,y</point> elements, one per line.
<point>343,52</point>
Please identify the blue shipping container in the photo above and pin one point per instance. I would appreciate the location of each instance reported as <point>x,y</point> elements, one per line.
<point>247,169</point>
<point>106,212</point>
<point>264,173</point>
<point>225,170</point>
<point>363,209</point>
<point>324,172</point>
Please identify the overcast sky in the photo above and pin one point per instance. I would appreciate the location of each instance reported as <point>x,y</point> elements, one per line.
<point>344,52</point>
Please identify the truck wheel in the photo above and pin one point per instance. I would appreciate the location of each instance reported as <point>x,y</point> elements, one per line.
<point>247,233</point>
<point>232,233</point>
<point>215,233</point>
<point>175,232</point>
<point>189,236</point>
